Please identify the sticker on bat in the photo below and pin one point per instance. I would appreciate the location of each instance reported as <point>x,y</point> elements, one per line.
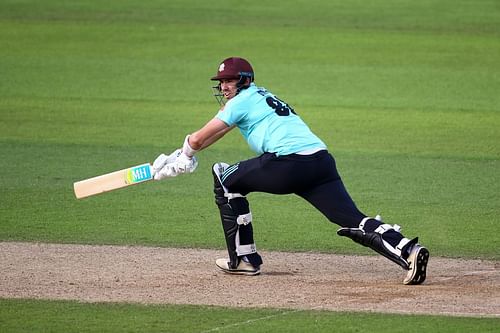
<point>139,174</point>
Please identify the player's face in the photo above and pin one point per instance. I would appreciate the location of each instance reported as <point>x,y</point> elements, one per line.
<point>228,88</point>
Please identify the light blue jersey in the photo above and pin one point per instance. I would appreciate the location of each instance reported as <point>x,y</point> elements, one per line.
<point>268,124</point>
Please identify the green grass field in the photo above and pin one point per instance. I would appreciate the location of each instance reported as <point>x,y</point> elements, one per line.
<point>405,94</point>
<point>78,317</point>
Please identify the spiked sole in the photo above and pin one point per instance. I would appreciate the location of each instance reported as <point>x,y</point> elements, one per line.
<point>242,269</point>
<point>418,266</point>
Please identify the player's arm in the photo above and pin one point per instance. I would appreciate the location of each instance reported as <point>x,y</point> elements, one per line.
<point>185,162</point>
<point>208,134</point>
<point>202,138</point>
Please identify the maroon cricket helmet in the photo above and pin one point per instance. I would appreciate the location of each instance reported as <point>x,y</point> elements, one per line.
<point>234,68</point>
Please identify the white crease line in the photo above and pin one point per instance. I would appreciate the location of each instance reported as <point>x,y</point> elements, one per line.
<point>402,312</point>
<point>482,272</point>
<point>258,319</point>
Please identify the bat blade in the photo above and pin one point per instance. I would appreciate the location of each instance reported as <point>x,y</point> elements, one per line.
<point>113,181</point>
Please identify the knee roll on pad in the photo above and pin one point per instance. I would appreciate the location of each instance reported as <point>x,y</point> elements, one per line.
<point>235,216</point>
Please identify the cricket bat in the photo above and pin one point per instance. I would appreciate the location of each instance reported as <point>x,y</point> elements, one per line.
<point>113,181</point>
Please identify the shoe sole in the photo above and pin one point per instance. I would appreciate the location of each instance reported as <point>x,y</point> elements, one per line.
<point>418,270</point>
<point>238,271</point>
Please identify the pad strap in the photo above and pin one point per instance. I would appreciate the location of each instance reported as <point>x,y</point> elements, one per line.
<point>402,244</point>
<point>244,219</point>
<point>230,196</point>
<point>386,227</point>
<point>242,250</point>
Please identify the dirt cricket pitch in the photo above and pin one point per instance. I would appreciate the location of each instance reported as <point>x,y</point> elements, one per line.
<point>294,281</point>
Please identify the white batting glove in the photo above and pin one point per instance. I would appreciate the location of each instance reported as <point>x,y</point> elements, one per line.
<point>185,164</point>
<point>167,171</point>
<point>161,161</point>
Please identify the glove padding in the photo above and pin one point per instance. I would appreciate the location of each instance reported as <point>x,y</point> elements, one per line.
<point>184,164</point>
<point>166,172</point>
<point>167,166</point>
<point>160,169</point>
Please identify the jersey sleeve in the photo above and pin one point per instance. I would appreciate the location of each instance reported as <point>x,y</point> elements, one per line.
<point>231,114</point>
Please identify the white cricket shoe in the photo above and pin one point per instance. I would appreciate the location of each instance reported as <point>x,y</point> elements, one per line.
<point>244,268</point>
<point>417,260</point>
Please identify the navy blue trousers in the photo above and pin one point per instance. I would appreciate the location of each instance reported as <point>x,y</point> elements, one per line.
<point>312,177</point>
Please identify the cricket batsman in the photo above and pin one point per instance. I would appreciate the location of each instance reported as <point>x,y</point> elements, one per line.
<point>290,159</point>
